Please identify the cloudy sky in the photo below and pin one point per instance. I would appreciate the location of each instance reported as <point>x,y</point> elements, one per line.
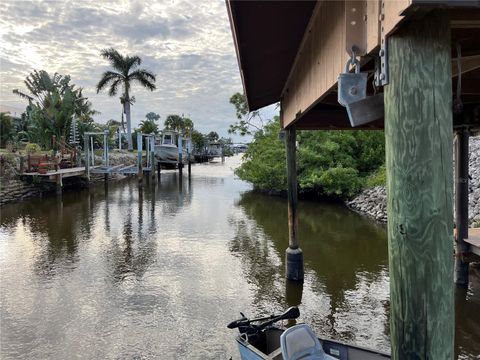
<point>187,44</point>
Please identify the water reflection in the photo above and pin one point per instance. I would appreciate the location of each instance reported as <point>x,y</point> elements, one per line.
<point>342,267</point>
<point>156,270</point>
<point>467,316</point>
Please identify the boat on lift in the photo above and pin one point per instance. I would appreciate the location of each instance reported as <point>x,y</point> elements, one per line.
<point>261,339</point>
<point>166,150</point>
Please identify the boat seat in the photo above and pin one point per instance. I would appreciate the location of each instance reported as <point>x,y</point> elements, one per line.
<point>300,343</point>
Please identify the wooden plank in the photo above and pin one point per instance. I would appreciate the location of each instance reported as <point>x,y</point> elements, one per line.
<point>474,240</point>
<point>392,11</point>
<point>468,63</point>
<point>320,59</point>
<point>418,132</point>
<point>322,56</point>
<point>373,24</point>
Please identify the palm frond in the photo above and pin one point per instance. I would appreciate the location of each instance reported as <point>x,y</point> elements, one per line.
<point>107,77</point>
<point>145,78</point>
<point>22,95</point>
<point>131,63</point>
<point>114,87</point>
<point>114,57</point>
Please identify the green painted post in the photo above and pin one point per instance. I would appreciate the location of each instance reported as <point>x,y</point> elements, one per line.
<point>139,156</point>
<point>418,131</point>
<point>87,155</point>
<point>152,156</point>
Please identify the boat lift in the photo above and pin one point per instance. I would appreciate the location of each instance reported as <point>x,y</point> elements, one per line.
<point>105,168</point>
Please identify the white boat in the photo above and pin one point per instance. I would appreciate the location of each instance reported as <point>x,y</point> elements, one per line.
<point>166,151</point>
<point>260,339</point>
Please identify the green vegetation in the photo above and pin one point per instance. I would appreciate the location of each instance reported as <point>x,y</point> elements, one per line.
<point>6,129</point>
<point>377,178</point>
<point>264,163</point>
<point>199,140</point>
<point>32,148</point>
<point>330,163</point>
<point>248,121</point>
<point>212,136</point>
<point>149,125</point>
<point>53,103</point>
<point>126,72</point>
<point>179,123</point>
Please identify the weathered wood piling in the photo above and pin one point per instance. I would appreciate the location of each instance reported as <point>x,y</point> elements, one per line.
<point>293,255</point>
<point>418,131</point>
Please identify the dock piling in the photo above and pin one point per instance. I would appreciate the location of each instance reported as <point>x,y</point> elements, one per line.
<point>152,156</point>
<point>59,184</point>
<point>105,152</point>
<point>294,255</point>
<point>418,133</point>
<point>180,154</point>
<point>139,157</point>
<point>461,206</point>
<point>87,157</point>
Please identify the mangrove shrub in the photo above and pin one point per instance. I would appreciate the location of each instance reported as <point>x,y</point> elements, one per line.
<point>330,163</point>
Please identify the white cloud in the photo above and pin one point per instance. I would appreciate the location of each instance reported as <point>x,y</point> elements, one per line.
<point>187,44</point>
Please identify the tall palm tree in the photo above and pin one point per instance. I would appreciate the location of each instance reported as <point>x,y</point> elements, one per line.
<point>125,73</point>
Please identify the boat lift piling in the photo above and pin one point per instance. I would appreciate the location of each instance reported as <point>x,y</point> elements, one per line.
<point>189,154</point>
<point>150,156</point>
<point>151,141</point>
<point>137,169</point>
<point>105,152</point>
<point>180,154</point>
<point>139,157</point>
<point>88,149</point>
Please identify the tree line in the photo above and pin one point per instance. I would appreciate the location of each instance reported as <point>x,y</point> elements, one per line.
<point>56,107</point>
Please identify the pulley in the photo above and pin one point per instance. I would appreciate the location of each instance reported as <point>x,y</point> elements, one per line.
<point>352,93</point>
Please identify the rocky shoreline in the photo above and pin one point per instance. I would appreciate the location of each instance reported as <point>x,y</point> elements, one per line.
<point>373,202</point>
<point>14,189</point>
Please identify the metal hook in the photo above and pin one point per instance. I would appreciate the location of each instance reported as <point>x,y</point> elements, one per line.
<point>353,61</point>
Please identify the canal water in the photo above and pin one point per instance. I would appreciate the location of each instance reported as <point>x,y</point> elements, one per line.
<point>156,272</point>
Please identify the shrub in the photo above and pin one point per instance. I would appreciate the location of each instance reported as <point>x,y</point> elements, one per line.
<point>377,178</point>
<point>264,161</point>
<point>6,129</point>
<point>330,163</point>
<point>32,148</point>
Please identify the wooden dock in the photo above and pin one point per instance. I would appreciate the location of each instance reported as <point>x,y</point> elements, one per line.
<point>58,175</point>
<point>474,240</point>
<point>54,174</point>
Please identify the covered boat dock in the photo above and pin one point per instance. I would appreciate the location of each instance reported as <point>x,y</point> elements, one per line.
<point>412,68</point>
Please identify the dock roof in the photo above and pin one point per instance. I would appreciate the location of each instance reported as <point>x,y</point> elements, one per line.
<point>293,51</point>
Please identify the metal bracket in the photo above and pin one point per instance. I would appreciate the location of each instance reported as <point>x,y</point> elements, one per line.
<point>381,65</point>
<point>352,93</point>
<point>355,27</point>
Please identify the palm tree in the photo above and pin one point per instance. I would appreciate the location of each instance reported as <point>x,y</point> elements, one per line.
<point>125,73</point>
